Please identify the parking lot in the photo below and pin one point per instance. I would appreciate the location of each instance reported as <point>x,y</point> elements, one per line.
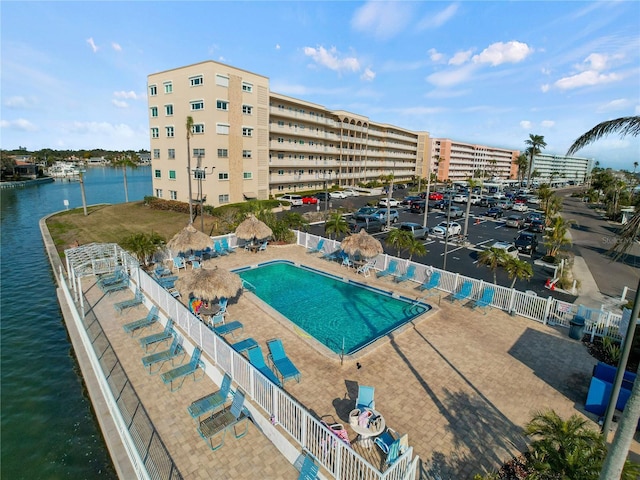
<point>483,232</point>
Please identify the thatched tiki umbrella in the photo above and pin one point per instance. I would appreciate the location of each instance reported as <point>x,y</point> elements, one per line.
<point>210,284</point>
<point>189,239</point>
<point>252,228</point>
<point>362,244</point>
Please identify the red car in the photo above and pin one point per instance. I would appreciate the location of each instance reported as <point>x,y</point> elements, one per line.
<point>309,200</point>
<point>436,196</point>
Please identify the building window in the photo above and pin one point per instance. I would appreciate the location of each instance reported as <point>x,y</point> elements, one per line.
<point>246,153</point>
<point>247,132</point>
<point>247,175</point>
<point>171,154</point>
<point>172,174</point>
<point>247,109</point>
<point>222,128</point>
<point>223,176</point>
<point>154,111</point>
<point>280,140</point>
<point>223,198</point>
<point>197,80</point>
<point>247,87</point>
<point>280,123</point>
<point>153,90</point>
<point>281,156</point>
<point>198,152</point>
<point>156,153</point>
<point>197,128</point>
<point>197,105</point>
<point>222,81</point>
<point>159,192</point>
<point>157,173</point>
<point>280,172</point>
<point>223,153</point>
<point>168,110</point>
<point>168,87</point>
<point>173,195</point>
<point>169,131</point>
<point>155,132</point>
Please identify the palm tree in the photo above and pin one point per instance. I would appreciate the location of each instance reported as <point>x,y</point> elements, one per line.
<point>296,221</point>
<point>416,247</point>
<point>616,457</point>
<point>143,245</point>
<point>189,129</point>
<point>492,258</point>
<point>336,224</point>
<point>535,144</point>
<point>472,183</point>
<point>557,236</point>
<point>518,269</point>
<point>399,239</point>
<point>125,161</point>
<point>523,164</point>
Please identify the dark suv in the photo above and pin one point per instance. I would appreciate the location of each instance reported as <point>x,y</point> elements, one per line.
<point>417,206</point>
<point>323,196</point>
<point>367,223</point>
<point>527,242</point>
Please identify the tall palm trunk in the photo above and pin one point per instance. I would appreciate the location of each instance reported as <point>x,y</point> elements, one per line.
<point>126,188</point>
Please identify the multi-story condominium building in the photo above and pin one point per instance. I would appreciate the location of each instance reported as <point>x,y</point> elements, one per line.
<point>251,143</point>
<point>555,169</point>
<point>457,161</point>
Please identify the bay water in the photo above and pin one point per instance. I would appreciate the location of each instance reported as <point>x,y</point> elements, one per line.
<point>48,430</point>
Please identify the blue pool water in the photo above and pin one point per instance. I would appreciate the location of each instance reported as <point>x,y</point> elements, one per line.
<point>328,308</point>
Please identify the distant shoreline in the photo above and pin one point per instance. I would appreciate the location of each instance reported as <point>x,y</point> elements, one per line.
<point>25,183</point>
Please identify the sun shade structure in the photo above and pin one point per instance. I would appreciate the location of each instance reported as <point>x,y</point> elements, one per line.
<point>362,244</point>
<point>210,284</point>
<point>252,228</point>
<point>189,239</point>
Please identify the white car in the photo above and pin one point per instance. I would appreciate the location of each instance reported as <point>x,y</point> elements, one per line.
<point>520,207</point>
<point>294,200</point>
<point>337,195</point>
<point>441,229</point>
<point>460,198</point>
<point>351,193</point>
<point>509,249</point>
<point>391,202</point>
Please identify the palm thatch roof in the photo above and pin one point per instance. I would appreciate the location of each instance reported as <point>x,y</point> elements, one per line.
<point>362,244</point>
<point>210,284</point>
<point>252,228</point>
<point>189,239</point>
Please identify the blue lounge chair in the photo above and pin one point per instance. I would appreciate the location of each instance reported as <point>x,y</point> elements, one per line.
<point>211,402</point>
<point>408,275</point>
<point>396,449</point>
<point>138,299</point>
<point>161,271</point>
<point>116,287</point>
<point>217,247</point>
<point>226,328</point>
<point>346,261</point>
<point>485,299</point>
<point>365,269</point>
<point>224,243</point>
<point>365,398</point>
<point>174,351</point>
<point>281,362</point>
<point>463,293</point>
<point>263,246</point>
<point>385,440</point>
<point>309,469</point>
<point>178,262</point>
<point>157,338</point>
<point>136,326</point>
<point>183,371</point>
<point>116,277</point>
<point>318,248</point>
<point>391,269</point>
<point>432,283</point>
<point>224,420</point>
<point>244,345</point>
<point>257,360</point>
<point>331,256</point>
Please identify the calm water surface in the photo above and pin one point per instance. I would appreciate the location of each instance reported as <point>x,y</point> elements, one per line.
<point>48,430</point>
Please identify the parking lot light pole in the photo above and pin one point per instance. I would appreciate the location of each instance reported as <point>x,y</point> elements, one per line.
<point>426,200</point>
<point>446,236</point>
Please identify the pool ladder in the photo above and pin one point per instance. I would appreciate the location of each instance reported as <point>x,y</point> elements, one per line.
<point>248,286</point>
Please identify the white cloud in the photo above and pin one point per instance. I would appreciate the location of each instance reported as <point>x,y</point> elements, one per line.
<point>100,128</point>
<point>499,53</point>
<point>92,44</point>
<point>130,94</point>
<point>382,19</point>
<point>120,103</point>
<point>545,88</point>
<point>596,61</point>
<point>547,123</point>
<point>277,46</point>
<point>19,124</point>
<point>331,59</point>
<point>460,57</point>
<point>20,102</point>
<point>585,79</point>
<point>439,19</point>
<point>615,105</point>
<point>368,75</point>
<point>434,55</point>
<point>116,46</point>
<point>451,77</point>
<point>526,124</point>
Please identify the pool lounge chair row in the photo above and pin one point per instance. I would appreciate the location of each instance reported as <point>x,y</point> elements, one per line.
<point>281,369</point>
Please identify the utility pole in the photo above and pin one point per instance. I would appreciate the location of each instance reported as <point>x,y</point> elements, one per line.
<point>200,174</point>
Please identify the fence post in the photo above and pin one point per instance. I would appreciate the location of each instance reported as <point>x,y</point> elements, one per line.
<point>624,294</point>
<point>512,301</point>
<point>455,283</point>
<point>547,310</point>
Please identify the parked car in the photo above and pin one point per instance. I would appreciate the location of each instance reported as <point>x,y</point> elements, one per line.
<point>410,199</point>
<point>294,200</point>
<point>515,221</point>
<point>520,207</point>
<point>322,196</point>
<point>436,196</point>
<point>494,212</point>
<point>531,217</point>
<point>417,230</point>
<point>455,212</point>
<point>392,202</point>
<point>365,211</point>
<point>368,223</point>
<point>337,194</point>
<point>537,226</point>
<point>381,213</point>
<point>447,230</point>
<point>527,242</point>
<point>488,202</point>
<point>418,206</point>
<point>509,249</point>
<point>460,198</point>
<point>505,204</point>
<point>475,199</point>
<point>350,192</point>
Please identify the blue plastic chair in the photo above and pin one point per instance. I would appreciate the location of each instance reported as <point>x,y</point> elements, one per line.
<point>391,269</point>
<point>257,360</point>
<point>485,300</point>
<point>365,398</point>
<point>281,361</point>
<point>463,293</point>
<point>408,275</point>
<point>213,401</point>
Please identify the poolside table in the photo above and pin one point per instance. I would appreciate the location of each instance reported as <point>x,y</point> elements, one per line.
<point>366,433</point>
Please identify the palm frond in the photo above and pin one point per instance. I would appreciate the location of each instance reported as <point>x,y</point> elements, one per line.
<point>625,126</point>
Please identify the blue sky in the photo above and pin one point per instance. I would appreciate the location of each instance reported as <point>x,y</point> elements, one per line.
<point>73,74</point>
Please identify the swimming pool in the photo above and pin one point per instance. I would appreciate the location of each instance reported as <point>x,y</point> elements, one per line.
<point>328,308</point>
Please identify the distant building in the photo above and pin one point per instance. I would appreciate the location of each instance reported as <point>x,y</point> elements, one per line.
<point>560,169</point>
<point>26,169</point>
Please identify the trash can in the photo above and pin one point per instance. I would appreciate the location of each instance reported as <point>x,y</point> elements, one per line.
<point>576,327</point>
